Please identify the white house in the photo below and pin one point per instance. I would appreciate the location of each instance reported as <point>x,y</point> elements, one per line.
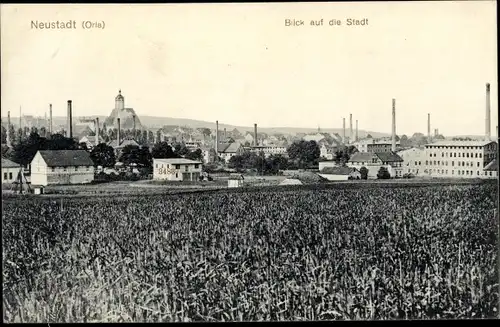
<point>9,171</point>
<point>340,173</point>
<point>413,161</point>
<point>176,169</point>
<point>373,162</point>
<point>50,167</point>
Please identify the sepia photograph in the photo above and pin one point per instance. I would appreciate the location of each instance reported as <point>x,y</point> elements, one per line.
<point>245,162</point>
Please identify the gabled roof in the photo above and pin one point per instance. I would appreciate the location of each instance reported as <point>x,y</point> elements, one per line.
<point>228,147</point>
<point>337,170</point>
<point>361,157</point>
<point>123,144</point>
<point>91,138</point>
<point>388,157</point>
<point>6,163</point>
<point>64,158</point>
<point>178,161</point>
<point>492,166</point>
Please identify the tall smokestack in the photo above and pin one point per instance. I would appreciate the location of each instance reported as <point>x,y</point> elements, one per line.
<point>133,127</point>
<point>8,129</point>
<point>70,120</point>
<point>393,147</point>
<point>488,104</point>
<point>225,138</point>
<point>255,135</point>
<point>118,136</point>
<point>50,119</point>
<point>350,128</point>
<point>343,130</point>
<point>216,136</point>
<point>429,140</point>
<point>356,131</point>
<point>97,131</point>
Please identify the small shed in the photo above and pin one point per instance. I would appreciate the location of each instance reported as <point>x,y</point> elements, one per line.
<point>235,180</point>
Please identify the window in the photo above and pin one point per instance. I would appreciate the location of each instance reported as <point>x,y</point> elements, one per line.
<point>426,162</point>
<point>186,168</point>
<point>480,155</point>
<point>10,175</point>
<point>76,168</point>
<point>453,163</point>
<point>454,154</point>
<point>65,168</point>
<point>478,173</point>
<point>4,175</point>
<point>446,171</point>
<point>156,166</point>
<point>53,169</point>
<point>88,168</point>
<point>177,167</point>
<point>176,175</point>
<point>452,172</point>
<point>196,166</point>
<point>476,155</point>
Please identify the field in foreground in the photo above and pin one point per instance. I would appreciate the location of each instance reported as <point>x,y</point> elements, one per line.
<point>288,253</point>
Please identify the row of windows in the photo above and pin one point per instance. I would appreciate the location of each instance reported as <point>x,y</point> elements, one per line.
<point>456,147</point>
<point>461,172</point>
<point>5,176</point>
<point>460,155</point>
<point>186,167</point>
<point>87,168</point>
<point>459,163</point>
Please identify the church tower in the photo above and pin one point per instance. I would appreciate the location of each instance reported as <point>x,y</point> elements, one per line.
<point>120,101</point>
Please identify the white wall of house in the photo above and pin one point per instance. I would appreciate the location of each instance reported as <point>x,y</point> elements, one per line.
<point>9,174</point>
<point>332,177</point>
<point>41,174</point>
<point>164,170</point>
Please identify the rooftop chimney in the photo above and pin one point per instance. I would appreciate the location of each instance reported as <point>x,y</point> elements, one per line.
<point>429,140</point>
<point>343,131</point>
<point>488,124</point>
<point>50,119</point>
<point>255,135</point>
<point>118,137</point>
<point>393,147</point>
<point>70,120</point>
<point>356,131</point>
<point>97,131</point>
<point>350,128</point>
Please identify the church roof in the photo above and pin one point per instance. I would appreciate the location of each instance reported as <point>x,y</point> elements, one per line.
<point>119,96</point>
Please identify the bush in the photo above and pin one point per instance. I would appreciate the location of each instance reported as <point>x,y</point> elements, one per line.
<point>383,173</point>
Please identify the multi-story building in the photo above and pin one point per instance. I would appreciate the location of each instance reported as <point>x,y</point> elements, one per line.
<point>176,169</point>
<point>372,146</point>
<point>269,150</point>
<point>463,159</point>
<point>228,150</point>
<point>413,161</point>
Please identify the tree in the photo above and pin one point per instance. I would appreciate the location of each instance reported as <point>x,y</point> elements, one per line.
<point>369,136</point>
<point>4,135</point>
<point>364,172</point>
<point>130,155</point>
<point>205,131</point>
<point>404,141</point>
<point>163,150</point>
<point>196,155</point>
<point>383,173</point>
<point>304,153</point>
<point>103,155</point>
<point>181,149</point>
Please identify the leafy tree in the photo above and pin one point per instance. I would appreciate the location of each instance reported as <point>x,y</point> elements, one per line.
<point>4,135</point>
<point>369,136</point>
<point>205,131</point>
<point>404,142</point>
<point>305,153</point>
<point>181,149</point>
<point>364,172</point>
<point>439,137</point>
<point>145,157</point>
<point>163,150</point>
<point>196,155</point>
<point>103,155</point>
<point>130,155</point>
<point>383,173</point>
<point>247,143</point>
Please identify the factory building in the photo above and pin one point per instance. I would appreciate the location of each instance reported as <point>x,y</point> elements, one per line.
<point>462,159</point>
<point>413,161</point>
<point>50,167</point>
<point>373,146</point>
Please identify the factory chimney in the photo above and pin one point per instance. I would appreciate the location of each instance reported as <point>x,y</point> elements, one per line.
<point>488,123</point>
<point>50,119</point>
<point>350,128</point>
<point>97,131</point>
<point>356,131</point>
<point>255,135</point>
<point>225,138</point>
<point>133,126</point>
<point>429,140</point>
<point>343,131</point>
<point>8,129</point>
<point>393,147</point>
<point>118,136</point>
<point>70,120</point>
<point>216,136</point>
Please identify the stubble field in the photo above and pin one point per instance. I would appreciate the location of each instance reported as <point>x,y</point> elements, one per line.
<point>287,253</point>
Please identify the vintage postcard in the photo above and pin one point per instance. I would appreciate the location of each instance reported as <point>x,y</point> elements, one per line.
<point>249,161</point>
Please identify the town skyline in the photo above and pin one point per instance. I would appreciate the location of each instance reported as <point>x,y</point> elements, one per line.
<point>263,72</point>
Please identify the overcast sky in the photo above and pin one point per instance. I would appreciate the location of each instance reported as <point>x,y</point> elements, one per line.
<point>240,64</point>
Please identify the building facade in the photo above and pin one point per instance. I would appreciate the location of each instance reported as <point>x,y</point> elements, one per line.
<point>228,150</point>
<point>413,161</point>
<point>269,150</point>
<point>459,159</point>
<point>10,170</point>
<point>373,162</point>
<point>50,167</point>
<point>176,169</point>
<point>373,146</point>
